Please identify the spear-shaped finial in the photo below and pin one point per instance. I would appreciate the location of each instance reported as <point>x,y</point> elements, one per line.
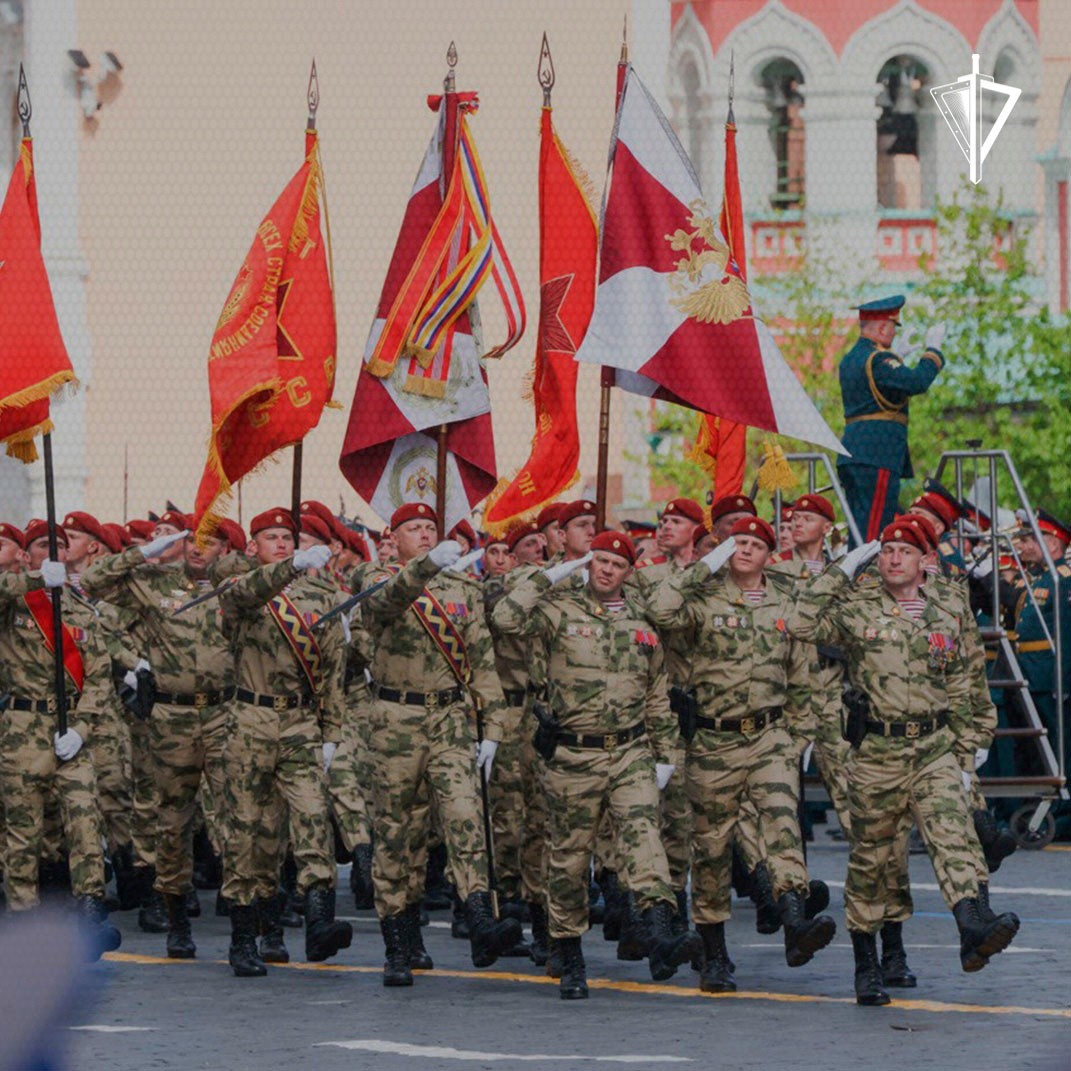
<point>313,96</point>
<point>732,85</point>
<point>451,63</point>
<point>25,110</point>
<point>546,70</point>
<point>624,41</point>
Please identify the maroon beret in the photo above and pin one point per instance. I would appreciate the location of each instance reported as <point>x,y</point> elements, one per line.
<point>757,527</point>
<point>279,517</point>
<point>412,511</point>
<point>732,504</point>
<point>85,523</point>
<point>815,504</point>
<point>687,508</point>
<point>582,507</point>
<point>37,528</point>
<point>615,543</point>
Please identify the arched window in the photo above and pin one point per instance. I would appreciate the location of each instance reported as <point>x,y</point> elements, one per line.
<point>901,140</point>
<point>782,82</point>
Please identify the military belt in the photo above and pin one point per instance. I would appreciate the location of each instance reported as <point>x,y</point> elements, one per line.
<point>38,706</point>
<point>753,723</point>
<point>1033,646</point>
<point>605,742</point>
<point>273,702</point>
<point>421,699</point>
<point>910,730</point>
<point>514,696</point>
<point>197,699</point>
<point>896,418</point>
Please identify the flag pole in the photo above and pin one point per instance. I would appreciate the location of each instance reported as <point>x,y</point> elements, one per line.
<point>607,377</point>
<point>126,479</point>
<point>59,674</point>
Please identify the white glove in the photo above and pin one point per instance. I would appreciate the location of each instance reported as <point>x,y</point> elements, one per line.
<point>485,757</point>
<point>155,547</point>
<point>329,750</point>
<point>347,633</point>
<point>980,756</point>
<point>983,568</point>
<point>54,574</point>
<point>854,560</point>
<point>315,557</point>
<point>556,573</point>
<point>130,677</point>
<point>808,751</point>
<point>445,554</point>
<point>935,335</point>
<point>663,771</point>
<point>68,745</point>
<point>966,781</point>
<point>716,558</point>
<point>465,561</point>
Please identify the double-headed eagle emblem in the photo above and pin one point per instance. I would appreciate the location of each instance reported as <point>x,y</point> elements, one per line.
<point>720,296</point>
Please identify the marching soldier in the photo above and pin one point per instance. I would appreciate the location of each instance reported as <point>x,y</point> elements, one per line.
<point>277,745</point>
<point>726,511</point>
<point>433,660</point>
<point>576,522</point>
<point>905,652</point>
<point>875,388</point>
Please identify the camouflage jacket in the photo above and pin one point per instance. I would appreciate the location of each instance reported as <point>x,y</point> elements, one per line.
<point>646,578</point>
<point>266,662</point>
<point>743,658</point>
<point>407,659</point>
<point>187,653</point>
<point>908,669</point>
<point>605,671</point>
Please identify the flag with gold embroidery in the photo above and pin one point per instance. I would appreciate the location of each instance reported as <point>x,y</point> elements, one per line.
<point>568,246</point>
<point>271,363</point>
<point>33,359</point>
<point>424,360</point>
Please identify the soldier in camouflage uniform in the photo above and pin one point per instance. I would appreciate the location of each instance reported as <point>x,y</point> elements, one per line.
<point>35,759</point>
<point>906,652</point>
<point>615,743</point>
<point>751,684</point>
<point>12,560</point>
<point>193,667</point>
<point>287,722</point>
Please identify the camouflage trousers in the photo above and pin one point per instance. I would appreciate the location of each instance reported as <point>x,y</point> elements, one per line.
<point>505,793</point>
<point>29,773</point>
<point>429,750</point>
<point>723,769</point>
<point>831,752</point>
<point>533,858</point>
<point>187,746</point>
<point>145,795</point>
<point>675,812</point>
<point>110,749</point>
<point>583,787</point>
<point>350,777</point>
<point>891,781</point>
<point>273,757</point>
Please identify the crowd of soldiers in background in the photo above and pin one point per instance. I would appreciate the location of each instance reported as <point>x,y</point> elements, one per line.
<point>546,726</point>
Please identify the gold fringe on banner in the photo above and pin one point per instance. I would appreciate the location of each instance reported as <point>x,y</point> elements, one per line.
<point>775,473</point>
<point>20,445</point>
<point>427,388</point>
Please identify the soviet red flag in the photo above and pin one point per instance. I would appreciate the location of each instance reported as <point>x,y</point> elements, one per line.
<point>33,358</point>
<point>271,364</point>
<point>568,245</point>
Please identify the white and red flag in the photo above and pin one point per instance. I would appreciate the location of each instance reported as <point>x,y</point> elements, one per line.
<point>424,356</point>
<point>673,314</point>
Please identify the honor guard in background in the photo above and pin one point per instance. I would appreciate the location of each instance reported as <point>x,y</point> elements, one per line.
<point>611,742</point>
<point>875,387</point>
<point>433,664</point>
<point>286,724</point>
<point>905,653</point>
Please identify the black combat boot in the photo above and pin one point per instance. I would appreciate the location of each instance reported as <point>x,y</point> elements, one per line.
<point>614,907</point>
<point>207,865</point>
<point>869,989</point>
<point>323,935</point>
<point>514,908</point>
<point>396,970</point>
<point>895,972</point>
<point>270,917</point>
<point>490,938</point>
<point>538,947</point>
<point>361,878</point>
<point>179,936</point>
<point>802,937</point>
<point>193,904</point>
<point>243,951</point>
<point>666,952</point>
<point>223,906</point>
<point>127,887</point>
<point>419,958</point>
<point>295,899</point>
<point>984,910</point>
<point>152,918</point>
<point>717,975</point>
<point>102,937</point>
<point>679,923</point>
<point>767,917</point>
<point>741,876</point>
<point>459,926</point>
<point>632,946</point>
<point>437,890</point>
<point>997,843</point>
<point>980,938</point>
<point>554,958</point>
<point>817,898</point>
<point>574,983</point>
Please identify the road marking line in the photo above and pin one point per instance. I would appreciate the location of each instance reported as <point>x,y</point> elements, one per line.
<point>628,987</point>
<point>99,1028</point>
<point>442,1052</point>
<point>1003,890</point>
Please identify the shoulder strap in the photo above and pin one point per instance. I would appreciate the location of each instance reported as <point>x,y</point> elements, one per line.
<point>39,603</point>
<point>299,636</point>
<point>436,622</point>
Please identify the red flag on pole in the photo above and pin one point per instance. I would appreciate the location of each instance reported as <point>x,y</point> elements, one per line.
<point>33,358</point>
<point>271,364</point>
<point>568,245</point>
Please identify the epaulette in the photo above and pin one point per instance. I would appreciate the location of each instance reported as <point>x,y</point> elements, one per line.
<point>660,559</point>
<point>781,556</point>
<point>1064,570</point>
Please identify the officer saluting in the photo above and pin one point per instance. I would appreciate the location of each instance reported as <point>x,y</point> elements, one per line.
<point>875,386</point>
